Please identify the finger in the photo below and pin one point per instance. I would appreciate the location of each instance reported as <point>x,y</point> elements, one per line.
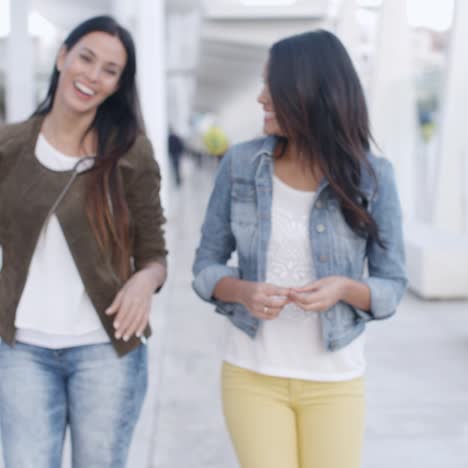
<point>268,313</point>
<point>304,301</point>
<point>142,325</point>
<point>122,317</point>
<point>303,297</point>
<point>138,318</point>
<point>308,287</point>
<point>132,315</point>
<point>116,303</point>
<point>274,312</point>
<point>315,306</point>
<point>272,290</point>
<point>271,300</point>
<point>275,303</point>
<point>268,317</point>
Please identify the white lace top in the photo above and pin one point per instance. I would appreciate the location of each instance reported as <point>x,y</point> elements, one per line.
<point>291,345</point>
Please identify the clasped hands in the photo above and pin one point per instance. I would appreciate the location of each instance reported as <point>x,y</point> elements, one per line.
<point>265,301</point>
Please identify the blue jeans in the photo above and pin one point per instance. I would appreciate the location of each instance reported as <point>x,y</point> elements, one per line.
<point>87,387</point>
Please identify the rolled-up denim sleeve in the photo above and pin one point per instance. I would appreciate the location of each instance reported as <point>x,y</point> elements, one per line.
<point>386,279</point>
<point>217,240</point>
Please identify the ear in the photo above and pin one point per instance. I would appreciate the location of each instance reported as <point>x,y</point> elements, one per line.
<point>60,60</point>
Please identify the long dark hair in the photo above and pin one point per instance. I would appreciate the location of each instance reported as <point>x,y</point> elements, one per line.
<point>117,124</point>
<point>320,106</point>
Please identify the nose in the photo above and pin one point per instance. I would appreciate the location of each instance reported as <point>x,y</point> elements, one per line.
<point>93,73</point>
<point>261,98</point>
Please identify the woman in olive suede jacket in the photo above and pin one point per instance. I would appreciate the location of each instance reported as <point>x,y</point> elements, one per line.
<point>83,252</point>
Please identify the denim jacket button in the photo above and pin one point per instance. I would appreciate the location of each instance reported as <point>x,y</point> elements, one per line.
<point>320,228</point>
<point>318,204</point>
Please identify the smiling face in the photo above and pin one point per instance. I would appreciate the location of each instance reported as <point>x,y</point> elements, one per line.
<point>270,123</point>
<point>90,71</point>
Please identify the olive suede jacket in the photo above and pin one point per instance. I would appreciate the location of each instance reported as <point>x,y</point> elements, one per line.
<point>28,192</point>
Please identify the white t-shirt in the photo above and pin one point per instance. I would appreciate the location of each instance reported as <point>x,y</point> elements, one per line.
<point>54,310</point>
<point>291,345</point>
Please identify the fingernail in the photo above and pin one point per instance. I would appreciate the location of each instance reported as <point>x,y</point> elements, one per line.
<point>138,334</point>
<point>116,324</point>
<point>125,338</point>
<point>118,335</point>
<point>107,312</point>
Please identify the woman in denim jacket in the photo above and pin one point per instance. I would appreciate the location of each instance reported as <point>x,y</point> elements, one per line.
<point>316,224</point>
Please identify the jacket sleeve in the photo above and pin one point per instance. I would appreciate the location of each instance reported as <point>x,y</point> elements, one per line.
<point>386,279</point>
<point>217,240</point>
<point>146,213</point>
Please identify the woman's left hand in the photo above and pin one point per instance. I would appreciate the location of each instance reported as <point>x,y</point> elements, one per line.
<point>319,295</point>
<point>132,305</point>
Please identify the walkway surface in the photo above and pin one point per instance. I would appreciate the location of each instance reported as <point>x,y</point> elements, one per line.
<point>417,378</point>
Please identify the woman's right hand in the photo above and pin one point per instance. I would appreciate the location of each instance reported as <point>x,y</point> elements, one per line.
<point>263,300</point>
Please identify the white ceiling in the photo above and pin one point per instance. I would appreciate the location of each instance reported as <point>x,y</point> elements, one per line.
<point>237,9</point>
<point>234,40</point>
<point>233,53</point>
<point>66,14</point>
<point>224,69</point>
<point>182,5</point>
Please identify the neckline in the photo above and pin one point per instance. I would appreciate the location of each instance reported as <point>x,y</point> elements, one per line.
<point>56,151</point>
<point>52,159</point>
<point>30,147</point>
<point>304,193</point>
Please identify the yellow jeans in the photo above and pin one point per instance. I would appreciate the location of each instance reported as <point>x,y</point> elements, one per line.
<point>277,422</point>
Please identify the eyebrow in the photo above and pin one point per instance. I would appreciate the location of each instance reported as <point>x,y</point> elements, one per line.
<point>87,49</point>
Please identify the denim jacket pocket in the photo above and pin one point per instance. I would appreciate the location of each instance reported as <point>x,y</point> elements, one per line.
<point>243,189</point>
<point>243,203</point>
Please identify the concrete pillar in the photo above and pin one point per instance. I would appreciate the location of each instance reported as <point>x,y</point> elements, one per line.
<point>392,99</point>
<point>146,20</point>
<point>450,203</point>
<point>183,53</point>
<point>347,29</point>
<point>151,50</point>
<point>20,82</point>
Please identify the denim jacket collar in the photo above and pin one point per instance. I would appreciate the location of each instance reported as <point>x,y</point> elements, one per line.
<point>367,180</point>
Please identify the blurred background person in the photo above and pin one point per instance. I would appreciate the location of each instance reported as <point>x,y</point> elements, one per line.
<point>176,150</point>
<point>216,142</point>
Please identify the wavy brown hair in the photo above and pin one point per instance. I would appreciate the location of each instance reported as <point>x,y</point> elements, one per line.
<point>117,124</point>
<point>320,106</point>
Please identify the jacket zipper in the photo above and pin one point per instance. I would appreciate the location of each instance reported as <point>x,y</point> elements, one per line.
<point>60,197</point>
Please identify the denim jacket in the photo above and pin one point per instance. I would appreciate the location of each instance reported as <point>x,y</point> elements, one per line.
<point>238,218</point>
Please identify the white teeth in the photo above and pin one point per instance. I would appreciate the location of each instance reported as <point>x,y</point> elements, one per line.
<point>84,89</point>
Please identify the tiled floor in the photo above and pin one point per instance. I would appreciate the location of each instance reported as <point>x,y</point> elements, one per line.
<point>417,379</point>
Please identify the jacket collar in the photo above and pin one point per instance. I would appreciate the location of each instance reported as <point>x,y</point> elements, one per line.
<point>268,146</point>
<point>367,180</point>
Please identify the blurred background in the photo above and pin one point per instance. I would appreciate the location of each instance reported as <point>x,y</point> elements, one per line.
<point>200,71</point>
